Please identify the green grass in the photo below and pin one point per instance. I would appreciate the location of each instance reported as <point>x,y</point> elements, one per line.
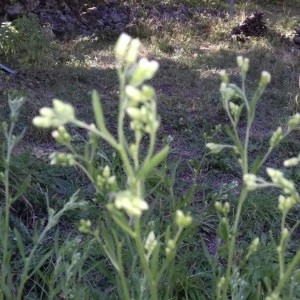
<point>190,57</point>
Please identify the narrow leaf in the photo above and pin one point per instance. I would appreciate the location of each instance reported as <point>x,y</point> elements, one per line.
<point>20,243</point>
<point>98,112</point>
<point>153,162</point>
<point>21,189</point>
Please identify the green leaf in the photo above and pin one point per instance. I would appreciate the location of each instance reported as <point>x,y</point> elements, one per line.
<point>153,162</point>
<point>98,112</point>
<point>155,261</point>
<point>20,243</point>
<point>255,165</point>
<point>119,220</point>
<point>40,263</point>
<point>21,189</point>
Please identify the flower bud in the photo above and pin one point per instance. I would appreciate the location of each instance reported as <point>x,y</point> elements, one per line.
<point>133,205</point>
<point>291,162</point>
<point>240,61</point>
<point>132,51</point>
<point>265,78</point>
<point>150,243</point>
<point>250,180</point>
<point>63,159</point>
<point>182,220</point>
<point>224,76</point>
<point>122,45</point>
<point>294,121</point>
<point>61,135</point>
<point>215,148</point>
<point>144,70</point>
<point>276,137</point>
<point>84,226</point>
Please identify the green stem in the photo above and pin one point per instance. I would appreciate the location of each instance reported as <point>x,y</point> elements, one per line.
<point>231,249</point>
<point>245,154</point>
<point>287,273</point>
<point>140,249</point>
<point>105,136</point>
<point>5,258</point>
<point>121,269</point>
<point>123,147</point>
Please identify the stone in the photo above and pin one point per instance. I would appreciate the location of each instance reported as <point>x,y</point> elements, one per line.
<point>115,17</point>
<point>296,39</point>
<point>14,11</point>
<point>70,27</point>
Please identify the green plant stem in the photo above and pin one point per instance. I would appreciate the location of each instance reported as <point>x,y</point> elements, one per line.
<point>246,144</point>
<point>106,136</point>
<point>243,197</point>
<point>121,269</point>
<point>5,258</point>
<point>287,273</point>
<point>123,147</point>
<point>140,249</point>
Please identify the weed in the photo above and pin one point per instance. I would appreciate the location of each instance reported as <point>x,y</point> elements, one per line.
<point>23,43</point>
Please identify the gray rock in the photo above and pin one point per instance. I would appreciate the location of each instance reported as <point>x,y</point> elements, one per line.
<point>115,17</point>
<point>70,27</point>
<point>119,26</point>
<point>63,18</point>
<point>15,10</point>
<point>296,40</point>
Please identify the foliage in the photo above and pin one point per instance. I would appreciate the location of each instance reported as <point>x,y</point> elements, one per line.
<point>135,241</point>
<point>231,281</point>
<point>23,256</point>
<point>23,43</point>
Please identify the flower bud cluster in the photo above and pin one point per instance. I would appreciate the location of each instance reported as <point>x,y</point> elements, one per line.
<point>227,92</point>
<point>291,162</point>
<point>150,243</point>
<point>273,296</point>
<point>276,137</point>
<point>85,226</point>
<point>127,48</point>
<point>294,121</point>
<point>142,108</point>
<point>243,64</point>
<point>132,204</point>
<point>222,208</point>
<point>60,114</point>
<point>216,148</point>
<point>286,203</point>
<point>253,246</point>
<point>234,109</point>
<point>62,159</point>
<point>61,135</point>
<point>105,181</point>
<point>264,79</point>
<point>142,71</point>
<point>277,177</point>
<point>252,182</point>
<point>182,220</point>
<point>170,247</point>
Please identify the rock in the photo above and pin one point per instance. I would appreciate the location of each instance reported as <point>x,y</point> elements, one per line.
<point>14,11</point>
<point>251,26</point>
<point>296,39</point>
<point>115,17</point>
<point>31,5</point>
<point>70,27</point>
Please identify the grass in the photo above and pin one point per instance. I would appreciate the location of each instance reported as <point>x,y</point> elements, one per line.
<point>190,57</point>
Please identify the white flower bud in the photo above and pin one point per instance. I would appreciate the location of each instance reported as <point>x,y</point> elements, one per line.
<point>121,45</point>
